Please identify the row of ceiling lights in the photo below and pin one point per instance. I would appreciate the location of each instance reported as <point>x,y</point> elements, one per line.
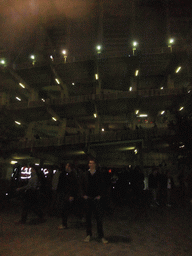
<point>135,44</point>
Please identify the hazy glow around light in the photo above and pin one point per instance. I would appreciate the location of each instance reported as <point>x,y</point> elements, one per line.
<point>2,62</point>
<point>32,57</point>
<point>64,52</point>
<point>162,112</point>
<point>130,89</point>
<point>135,43</point>
<point>102,129</point>
<point>171,41</point>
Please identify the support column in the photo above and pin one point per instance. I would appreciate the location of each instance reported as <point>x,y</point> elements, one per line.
<point>170,82</point>
<point>98,125</point>
<point>62,129</point>
<point>4,98</point>
<point>34,96</point>
<point>133,83</point>
<point>30,134</point>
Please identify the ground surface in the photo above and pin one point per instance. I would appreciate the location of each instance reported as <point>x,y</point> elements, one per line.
<point>156,231</point>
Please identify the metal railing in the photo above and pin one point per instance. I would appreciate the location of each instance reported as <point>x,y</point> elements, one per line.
<point>98,97</point>
<point>107,136</point>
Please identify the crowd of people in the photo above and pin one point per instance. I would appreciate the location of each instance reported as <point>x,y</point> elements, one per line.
<point>94,192</point>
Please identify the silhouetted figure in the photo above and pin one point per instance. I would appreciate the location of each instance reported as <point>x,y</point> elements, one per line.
<point>68,190</point>
<point>31,198</point>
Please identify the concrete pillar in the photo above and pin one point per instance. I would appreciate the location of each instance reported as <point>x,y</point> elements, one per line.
<point>30,131</point>
<point>170,82</point>
<point>4,98</point>
<point>62,128</point>
<point>133,83</point>
<point>98,125</point>
<point>34,96</point>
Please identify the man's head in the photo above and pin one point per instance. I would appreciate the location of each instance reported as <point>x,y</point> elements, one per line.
<point>92,164</point>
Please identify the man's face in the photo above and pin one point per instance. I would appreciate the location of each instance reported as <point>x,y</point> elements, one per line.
<point>92,165</point>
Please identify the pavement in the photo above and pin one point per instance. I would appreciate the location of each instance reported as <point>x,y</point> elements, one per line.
<point>133,231</point>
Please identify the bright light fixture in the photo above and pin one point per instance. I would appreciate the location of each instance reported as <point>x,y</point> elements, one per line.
<point>178,69</point>
<point>43,100</point>
<point>23,86</point>
<point>95,115</point>
<point>17,122</point>
<point>135,43</point>
<point>2,62</point>
<point>57,80</point>
<point>171,40</point>
<point>137,72</point>
<point>96,76</point>
<point>161,88</point>
<point>64,52</point>
<point>102,129</point>
<point>18,98</point>
<point>130,89</point>
<point>181,108</point>
<point>162,112</point>
<point>137,112</point>
<point>54,119</point>
<point>13,162</point>
<point>32,57</point>
<point>142,115</point>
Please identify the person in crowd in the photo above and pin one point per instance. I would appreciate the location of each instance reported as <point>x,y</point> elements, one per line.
<point>137,184</point>
<point>54,197</point>
<point>92,192</point>
<point>154,185</point>
<point>163,187</point>
<point>68,190</point>
<point>189,186</point>
<point>170,185</point>
<point>31,197</point>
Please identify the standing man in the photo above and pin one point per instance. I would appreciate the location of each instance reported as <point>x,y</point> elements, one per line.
<point>67,189</point>
<point>31,197</point>
<point>92,190</point>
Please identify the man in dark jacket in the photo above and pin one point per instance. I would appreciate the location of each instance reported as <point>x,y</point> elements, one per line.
<point>92,191</point>
<point>67,189</point>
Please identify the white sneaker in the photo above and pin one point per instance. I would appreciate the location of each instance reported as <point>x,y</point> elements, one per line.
<point>87,239</point>
<point>104,241</point>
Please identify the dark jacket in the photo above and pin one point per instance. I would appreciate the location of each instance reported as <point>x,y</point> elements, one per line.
<point>68,184</point>
<point>92,185</point>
